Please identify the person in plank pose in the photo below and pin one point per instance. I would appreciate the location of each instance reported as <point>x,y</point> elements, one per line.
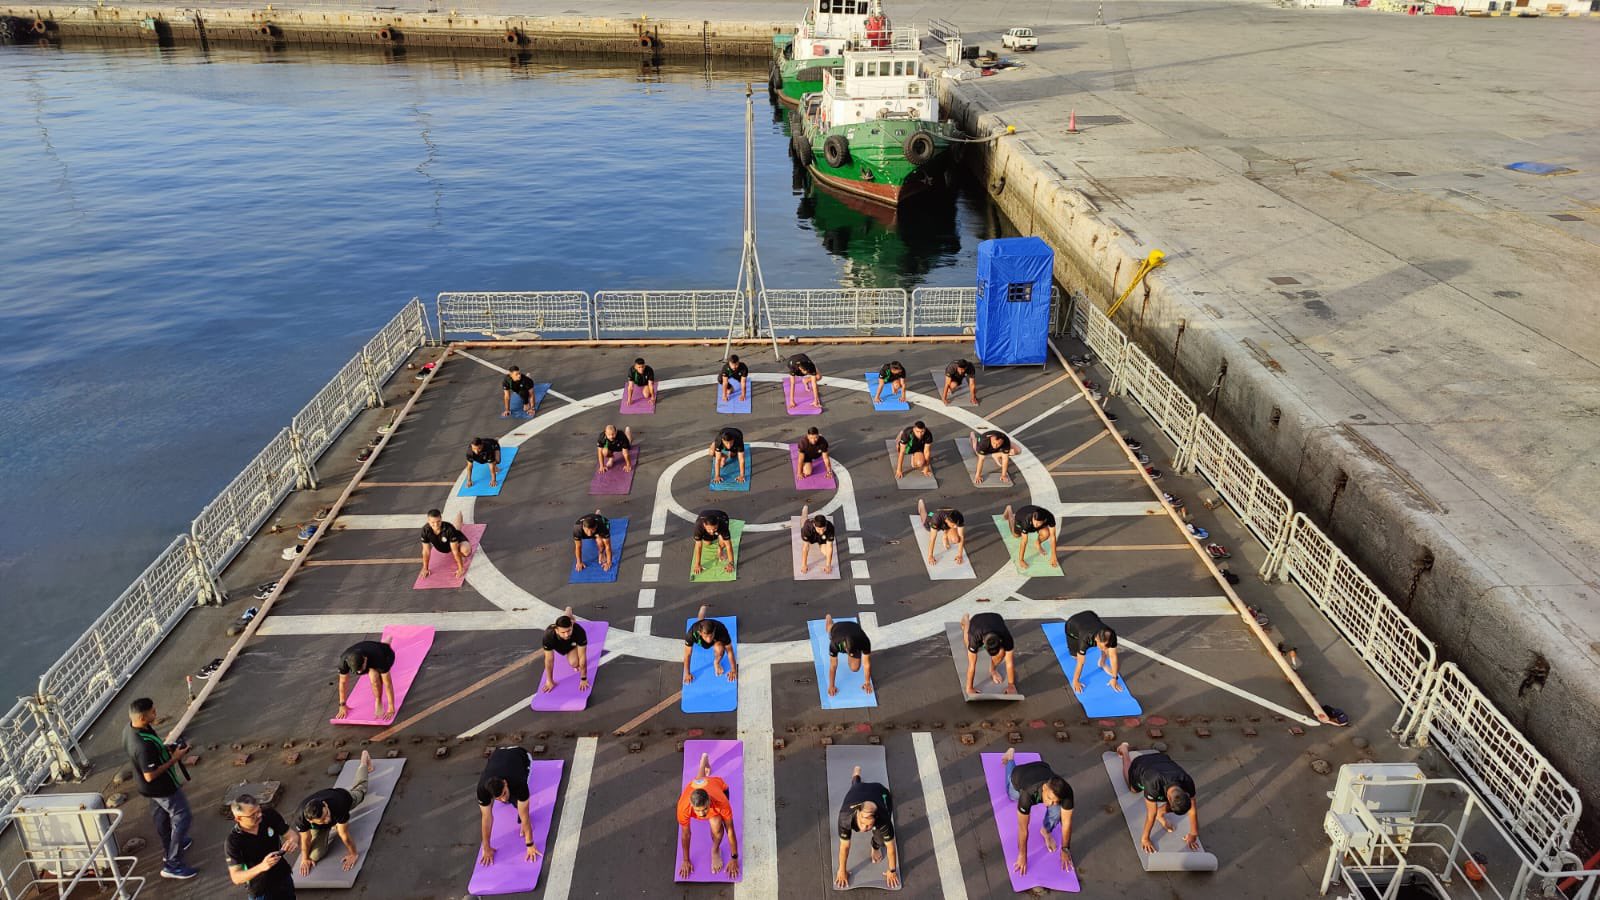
<point>373,659</point>
<point>915,441</point>
<point>505,780</point>
<point>517,383</point>
<point>713,527</point>
<point>996,444</point>
<point>812,448</point>
<point>817,531</point>
<point>988,632</point>
<point>1031,784</point>
<point>611,443</point>
<point>734,371</point>
<point>946,523</point>
<point>954,375</point>
<point>1039,522</point>
<point>893,376</point>
<point>326,813</point>
<point>705,797</point>
<point>850,639</point>
<point>592,527</point>
<point>642,378</point>
<point>709,634</point>
<point>728,444</point>
<point>487,452</point>
<point>1085,630</point>
<point>867,807</point>
<point>444,537</point>
<point>1164,783</point>
<point>801,367</point>
<point>565,638</point>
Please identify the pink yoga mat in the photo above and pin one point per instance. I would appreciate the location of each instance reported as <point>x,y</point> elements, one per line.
<point>615,480</point>
<point>511,872</point>
<point>442,566</point>
<point>566,697</point>
<point>411,644</point>
<point>727,763</point>
<point>817,481</point>
<point>1044,867</point>
<point>641,406</point>
<point>805,402</point>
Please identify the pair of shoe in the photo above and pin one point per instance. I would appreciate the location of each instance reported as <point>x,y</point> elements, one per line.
<point>180,871</point>
<point>265,589</point>
<point>1153,472</point>
<point>1197,531</point>
<point>1218,551</point>
<point>1172,500</point>
<point>1143,459</point>
<point>209,669</point>
<point>1132,444</point>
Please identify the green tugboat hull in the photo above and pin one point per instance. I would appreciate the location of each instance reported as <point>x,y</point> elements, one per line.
<point>793,79</point>
<point>876,166</point>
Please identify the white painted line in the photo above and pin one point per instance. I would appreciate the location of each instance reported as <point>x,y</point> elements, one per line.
<point>856,545</point>
<point>844,498</point>
<point>868,620</point>
<point>952,884</point>
<point>1218,683</point>
<point>564,856</point>
<point>652,550</point>
<point>641,624</point>
<point>863,595</point>
<point>523,705</point>
<point>1089,510</point>
<point>858,570</point>
<point>647,598</point>
<point>373,623</point>
<point>760,826</point>
<point>374,523</point>
<point>652,571</point>
<point>482,362</point>
<point>560,396</point>
<point>1044,415</point>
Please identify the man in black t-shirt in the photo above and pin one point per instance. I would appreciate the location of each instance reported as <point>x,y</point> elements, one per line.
<point>373,659</point>
<point>867,807</point>
<point>609,444</point>
<point>817,531</point>
<point>1085,630</point>
<point>713,527</point>
<point>734,371</point>
<point>505,780</point>
<point>326,813</point>
<point>728,443</point>
<point>946,523</point>
<point>565,638</point>
<point>255,851</point>
<point>592,527</point>
<point>1030,784</point>
<point>159,774</point>
<point>1164,783</point>
<point>917,442</point>
<point>439,536</point>
<point>812,447</point>
<point>642,378</point>
<point>850,639</point>
<point>517,383</point>
<point>954,374</point>
<point>988,631</point>
<point>998,445</point>
<point>1039,522</point>
<point>801,367</point>
<point>893,376</point>
<point>485,451</point>
<point>709,634</point>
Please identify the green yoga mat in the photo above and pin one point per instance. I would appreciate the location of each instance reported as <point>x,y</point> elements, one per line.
<point>711,566</point>
<point>1038,564</point>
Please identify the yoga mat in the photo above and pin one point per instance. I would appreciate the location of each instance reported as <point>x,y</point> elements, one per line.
<point>616,480</point>
<point>727,763</point>
<point>805,402</point>
<point>991,471</point>
<point>519,410</point>
<point>944,567</point>
<point>364,821</point>
<point>961,396</point>
<point>730,471</point>
<point>986,688</point>
<point>1172,854</point>
<point>888,403</point>
<point>734,405</point>
<point>411,644</point>
<point>813,570</point>
<point>641,405</point>
<point>480,476</point>
<point>1044,867</point>
<point>913,479</point>
<point>566,697</point>
<point>710,566</point>
<point>818,480</point>
<point>851,696</point>
<point>442,566</point>
<point>592,573</point>
<point>1097,699</point>
<point>511,872</point>
<point>1038,563</point>
<point>709,693</point>
<point>863,872</point>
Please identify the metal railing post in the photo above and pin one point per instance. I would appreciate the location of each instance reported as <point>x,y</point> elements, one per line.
<point>207,591</point>
<point>305,471</point>
<point>67,759</point>
<point>372,376</point>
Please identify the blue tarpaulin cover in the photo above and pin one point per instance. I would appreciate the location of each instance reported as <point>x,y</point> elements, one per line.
<point>1013,325</point>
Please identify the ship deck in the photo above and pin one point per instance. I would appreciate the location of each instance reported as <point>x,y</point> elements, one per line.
<point>1260,802</point>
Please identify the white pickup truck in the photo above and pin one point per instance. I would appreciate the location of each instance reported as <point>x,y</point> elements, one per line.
<point>1019,39</point>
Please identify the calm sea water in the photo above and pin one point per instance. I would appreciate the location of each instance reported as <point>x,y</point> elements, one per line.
<point>194,242</point>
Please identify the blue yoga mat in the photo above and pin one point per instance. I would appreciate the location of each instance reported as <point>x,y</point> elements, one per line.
<point>888,403</point>
<point>592,573</point>
<point>480,476</point>
<point>1098,699</point>
<point>730,471</point>
<point>851,696</point>
<point>518,411</point>
<point>708,693</point>
<point>734,405</point>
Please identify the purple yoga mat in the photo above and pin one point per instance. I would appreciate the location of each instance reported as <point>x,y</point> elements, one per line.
<point>511,872</point>
<point>442,566</point>
<point>615,480</point>
<point>805,402</point>
<point>727,763</point>
<point>1044,867</point>
<point>819,479</point>
<point>566,697</point>
<point>641,405</point>
<point>411,644</point>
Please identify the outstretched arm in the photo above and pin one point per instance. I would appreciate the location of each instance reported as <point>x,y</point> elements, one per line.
<point>1193,837</point>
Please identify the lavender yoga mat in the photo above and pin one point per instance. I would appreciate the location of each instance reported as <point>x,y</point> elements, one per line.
<point>615,480</point>
<point>818,480</point>
<point>511,872</point>
<point>734,405</point>
<point>1044,867</point>
<point>442,566</point>
<point>641,405</point>
<point>805,402</point>
<point>566,697</point>
<point>411,644</point>
<point>727,763</point>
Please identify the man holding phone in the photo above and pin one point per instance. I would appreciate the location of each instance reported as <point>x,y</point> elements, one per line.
<point>160,780</point>
<point>255,849</point>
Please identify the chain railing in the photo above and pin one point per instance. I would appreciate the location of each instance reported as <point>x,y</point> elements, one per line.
<point>836,311</point>
<point>517,315</point>
<point>1260,505</point>
<point>667,313</point>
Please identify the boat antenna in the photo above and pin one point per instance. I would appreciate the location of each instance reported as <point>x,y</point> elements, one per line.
<point>750,285</point>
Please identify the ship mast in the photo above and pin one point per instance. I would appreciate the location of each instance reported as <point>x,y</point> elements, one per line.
<point>750,284</point>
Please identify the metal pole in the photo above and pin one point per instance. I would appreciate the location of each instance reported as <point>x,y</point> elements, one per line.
<point>750,204</point>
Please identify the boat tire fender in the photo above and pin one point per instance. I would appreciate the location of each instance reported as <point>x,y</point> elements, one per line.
<point>775,80</point>
<point>836,150</point>
<point>919,148</point>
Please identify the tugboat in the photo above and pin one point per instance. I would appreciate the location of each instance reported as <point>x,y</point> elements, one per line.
<point>873,131</point>
<point>829,28</point>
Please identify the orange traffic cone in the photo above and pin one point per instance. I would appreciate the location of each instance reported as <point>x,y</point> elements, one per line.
<point>1072,122</point>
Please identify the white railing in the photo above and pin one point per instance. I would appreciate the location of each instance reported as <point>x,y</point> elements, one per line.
<point>854,311</point>
<point>321,421</point>
<point>1264,509</point>
<point>225,525</point>
<point>689,313</point>
<point>25,756</point>
<point>517,315</point>
<point>944,310</point>
<point>1107,342</point>
<point>395,342</point>
<point>1159,395</point>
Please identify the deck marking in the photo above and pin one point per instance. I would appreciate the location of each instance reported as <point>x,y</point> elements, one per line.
<point>559,396</point>
<point>641,624</point>
<point>856,545</point>
<point>1218,683</point>
<point>1097,473</point>
<point>564,857</point>
<point>1079,449</point>
<point>483,362</point>
<point>864,595</point>
<point>378,484</point>
<point>858,570</point>
<point>1025,397</point>
<point>760,827</point>
<point>365,522</point>
<point>462,694</point>
<point>647,598</point>
<point>844,497</point>
<point>868,620</point>
<point>1129,508</point>
<point>651,572</point>
<point>937,810</point>
<point>518,706</point>
<point>380,561</point>
<point>1087,548</point>
<point>652,550</point>
<point>1045,415</point>
<point>643,717</point>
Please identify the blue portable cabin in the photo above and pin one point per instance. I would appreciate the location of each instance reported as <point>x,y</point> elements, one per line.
<point>1013,315</point>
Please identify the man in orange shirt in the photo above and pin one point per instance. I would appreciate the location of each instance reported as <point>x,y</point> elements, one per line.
<point>706,797</point>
